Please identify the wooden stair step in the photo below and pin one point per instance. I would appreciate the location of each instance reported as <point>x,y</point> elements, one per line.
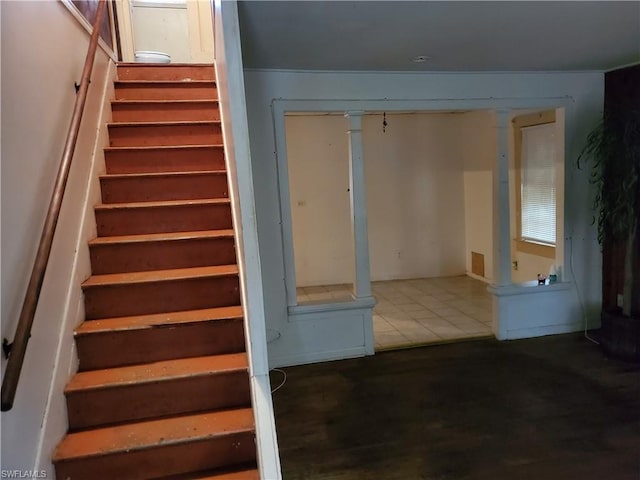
<point>145,187</point>
<point>140,293</point>
<point>163,110</point>
<point>155,389</point>
<point>166,216</point>
<point>248,472</point>
<point>161,251</point>
<point>157,448</point>
<point>136,134</point>
<point>167,158</point>
<point>162,71</point>
<point>165,90</point>
<point>132,278</point>
<point>132,340</point>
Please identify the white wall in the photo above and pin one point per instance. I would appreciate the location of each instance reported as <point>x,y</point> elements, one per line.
<point>318,160</point>
<point>478,141</point>
<point>584,92</point>
<point>415,195</point>
<point>43,51</point>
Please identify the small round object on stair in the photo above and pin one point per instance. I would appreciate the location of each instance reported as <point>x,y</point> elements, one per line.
<point>149,56</point>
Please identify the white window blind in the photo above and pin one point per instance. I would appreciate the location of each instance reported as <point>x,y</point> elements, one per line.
<point>538,188</point>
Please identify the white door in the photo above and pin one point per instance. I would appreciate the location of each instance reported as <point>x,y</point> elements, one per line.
<point>181,28</point>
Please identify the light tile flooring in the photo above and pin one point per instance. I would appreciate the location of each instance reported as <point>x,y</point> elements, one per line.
<point>419,311</point>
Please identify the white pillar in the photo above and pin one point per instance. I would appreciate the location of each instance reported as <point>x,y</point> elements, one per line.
<point>362,287</point>
<point>501,225</point>
<point>501,211</point>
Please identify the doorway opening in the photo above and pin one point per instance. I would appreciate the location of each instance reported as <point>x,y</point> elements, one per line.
<point>429,188</point>
<point>178,30</point>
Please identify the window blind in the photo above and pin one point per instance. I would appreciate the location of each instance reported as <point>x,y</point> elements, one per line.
<point>538,188</point>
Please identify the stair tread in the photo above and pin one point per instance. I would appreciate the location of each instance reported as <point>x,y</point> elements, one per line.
<point>157,372</point>
<point>164,123</point>
<point>165,82</point>
<point>162,203</point>
<point>156,237</point>
<point>163,102</point>
<point>164,147</point>
<point>196,173</point>
<point>159,275</point>
<point>163,65</point>
<point>246,473</point>
<point>251,474</point>
<point>152,433</point>
<point>139,322</point>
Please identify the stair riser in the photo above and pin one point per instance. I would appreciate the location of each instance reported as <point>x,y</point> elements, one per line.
<point>161,255</point>
<point>113,349</point>
<point>182,218</point>
<point>184,91</point>
<point>159,135</point>
<point>163,460</point>
<point>172,72</point>
<point>92,408</point>
<point>156,297</point>
<point>149,189</point>
<point>165,112</point>
<point>156,161</point>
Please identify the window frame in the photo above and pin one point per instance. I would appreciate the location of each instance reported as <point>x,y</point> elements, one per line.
<point>520,122</point>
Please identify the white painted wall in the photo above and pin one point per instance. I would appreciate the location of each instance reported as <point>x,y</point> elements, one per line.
<point>318,159</point>
<point>43,52</point>
<point>584,92</point>
<point>415,196</point>
<point>478,141</point>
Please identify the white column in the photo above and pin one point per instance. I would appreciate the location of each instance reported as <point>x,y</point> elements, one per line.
<point>501,212</point>
<point>362,287</point>
<point>501,225</point>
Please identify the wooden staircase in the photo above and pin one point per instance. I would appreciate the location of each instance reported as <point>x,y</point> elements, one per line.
<point>163,385</point>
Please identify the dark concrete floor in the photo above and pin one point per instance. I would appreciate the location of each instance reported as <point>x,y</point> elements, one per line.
<point>540,409</point>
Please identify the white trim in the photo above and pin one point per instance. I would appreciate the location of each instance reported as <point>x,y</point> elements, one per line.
<point>89,28</point>
<point>527,288</point>
<point>235,130</point>
<point>545,330</point>
<point>501,210</point>
<point>282,166</point>
<point>428,72</point>
<point>315,357</point>
<point>355,304</point>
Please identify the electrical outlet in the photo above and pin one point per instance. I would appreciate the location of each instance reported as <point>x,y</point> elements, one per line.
<point>620,300</point>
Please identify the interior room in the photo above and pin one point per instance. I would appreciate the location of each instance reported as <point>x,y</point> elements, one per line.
<point>429,183</point>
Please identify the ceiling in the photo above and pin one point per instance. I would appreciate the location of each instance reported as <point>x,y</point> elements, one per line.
<point>467,36</point>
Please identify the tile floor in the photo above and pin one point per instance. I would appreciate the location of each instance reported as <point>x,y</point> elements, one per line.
<point>419,311</point>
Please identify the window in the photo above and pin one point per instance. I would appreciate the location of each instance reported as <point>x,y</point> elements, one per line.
<point>535,149</point>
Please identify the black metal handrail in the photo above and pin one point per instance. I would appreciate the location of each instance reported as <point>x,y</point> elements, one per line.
<point>18,348</point>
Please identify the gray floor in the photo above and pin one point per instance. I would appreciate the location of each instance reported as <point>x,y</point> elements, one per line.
<point>540,409</point>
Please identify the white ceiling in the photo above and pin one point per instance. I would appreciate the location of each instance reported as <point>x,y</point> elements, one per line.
<point>457,35</point>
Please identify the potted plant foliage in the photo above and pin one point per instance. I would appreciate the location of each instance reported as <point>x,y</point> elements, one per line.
<point>613,152</point>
